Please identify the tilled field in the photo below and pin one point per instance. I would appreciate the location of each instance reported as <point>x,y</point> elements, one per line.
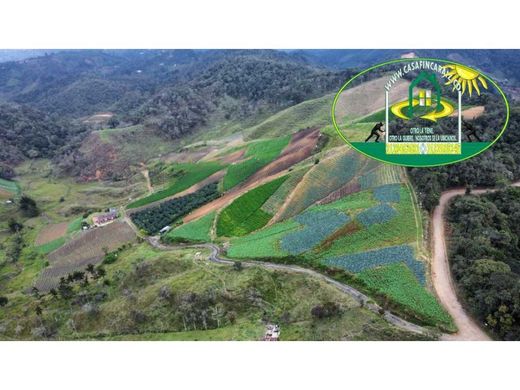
<point>87,248</point>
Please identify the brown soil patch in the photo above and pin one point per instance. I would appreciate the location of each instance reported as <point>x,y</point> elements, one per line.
<point>471,113</point>
<point>51,232</point>
<point>4,194</point>
<point>349,228</point>
<point>232,157</point>
<point>299,148</point>
<point>186,157</point>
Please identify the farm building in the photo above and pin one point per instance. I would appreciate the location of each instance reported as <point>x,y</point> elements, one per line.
<point>103,219</point>
<point>272,333</point>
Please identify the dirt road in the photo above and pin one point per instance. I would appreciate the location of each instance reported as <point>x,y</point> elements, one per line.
<point>361,298</point>
<point>441,273</point>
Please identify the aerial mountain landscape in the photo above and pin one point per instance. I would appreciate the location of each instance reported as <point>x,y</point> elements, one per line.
<point>206,195</point>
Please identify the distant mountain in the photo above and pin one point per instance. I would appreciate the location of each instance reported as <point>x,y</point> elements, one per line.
<point>22,54</point>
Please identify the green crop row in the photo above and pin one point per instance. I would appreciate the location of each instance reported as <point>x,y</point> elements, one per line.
<point>258,155</point>
<point>245,215</point>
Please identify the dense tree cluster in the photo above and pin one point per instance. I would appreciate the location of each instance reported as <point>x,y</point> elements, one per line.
<point>485,257</point>
<point>153,219</point>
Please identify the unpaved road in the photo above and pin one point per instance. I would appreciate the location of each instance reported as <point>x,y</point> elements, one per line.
<point>361,298</point>
<point>441,273</point>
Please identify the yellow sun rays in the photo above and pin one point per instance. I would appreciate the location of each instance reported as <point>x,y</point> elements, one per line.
<point>468,78</point>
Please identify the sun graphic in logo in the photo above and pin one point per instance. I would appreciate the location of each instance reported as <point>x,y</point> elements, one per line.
<point>468,78</point>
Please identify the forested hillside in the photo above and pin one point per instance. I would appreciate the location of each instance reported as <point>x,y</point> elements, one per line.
<point>485,257</point>
<point>28,133</point>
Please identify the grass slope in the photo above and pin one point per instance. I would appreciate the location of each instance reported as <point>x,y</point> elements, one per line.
<point>195,231</point>
<point>311,113</point>
<point>245,215</point>
<point>188,175</point>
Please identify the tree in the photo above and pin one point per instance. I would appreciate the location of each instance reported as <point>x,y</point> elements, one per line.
<point>14,226</point>
<point>39,311</point>
<point>28,207</point>
<point>113,122</point>
<point>3,301</point>
<point>237,266</point>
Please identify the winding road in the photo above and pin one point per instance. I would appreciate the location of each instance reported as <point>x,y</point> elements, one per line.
<point>361,298</point>
<point>468,329</point>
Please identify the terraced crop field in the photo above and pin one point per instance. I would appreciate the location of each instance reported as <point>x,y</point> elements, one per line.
<point>194,231</point>
<point>360,262</point>
<point>273,204</point>
<point>397,282</point>
<point>263,243</point>
<point>258,155</point>
<point>244,214</point>
<point>316,226</point>
<point>400,229</point>
<point>8,188</point>
<point>87,248</point>
<point>183,176</point>
<point>321,180</point>
<point>383,174</point>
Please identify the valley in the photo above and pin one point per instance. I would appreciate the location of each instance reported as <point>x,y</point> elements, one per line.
<point>207,212</point>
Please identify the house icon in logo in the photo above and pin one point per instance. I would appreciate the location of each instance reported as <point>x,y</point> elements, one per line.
<point>425,94</point>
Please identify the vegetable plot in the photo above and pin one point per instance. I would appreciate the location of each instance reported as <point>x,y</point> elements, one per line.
<point>317,225</point>
<point>245,215</point>
<point>378,214</point>
<point>360,262</point>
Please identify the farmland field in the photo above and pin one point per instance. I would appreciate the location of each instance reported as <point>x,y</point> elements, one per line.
<point>321,180</point>
<point>263,243</point>
<point>197,230</point>
<point>184,176</point>
<point>399,283</point>
<point>86,248</point>
<point>50,246</point>
<point>317,225</point>
<point>245,215</point>
<point>258,154</point>
<point>51,232</point>
<point>396,231</point>
<point>153,219</point>
<point>273,204</point>
<point>8,188</point>
<point>360,262</point>
<point>384,174</point>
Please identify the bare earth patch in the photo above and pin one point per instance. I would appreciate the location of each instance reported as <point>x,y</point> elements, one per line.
<point>471,113</point>
<point>51,232</point>
<point>300,147</point>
